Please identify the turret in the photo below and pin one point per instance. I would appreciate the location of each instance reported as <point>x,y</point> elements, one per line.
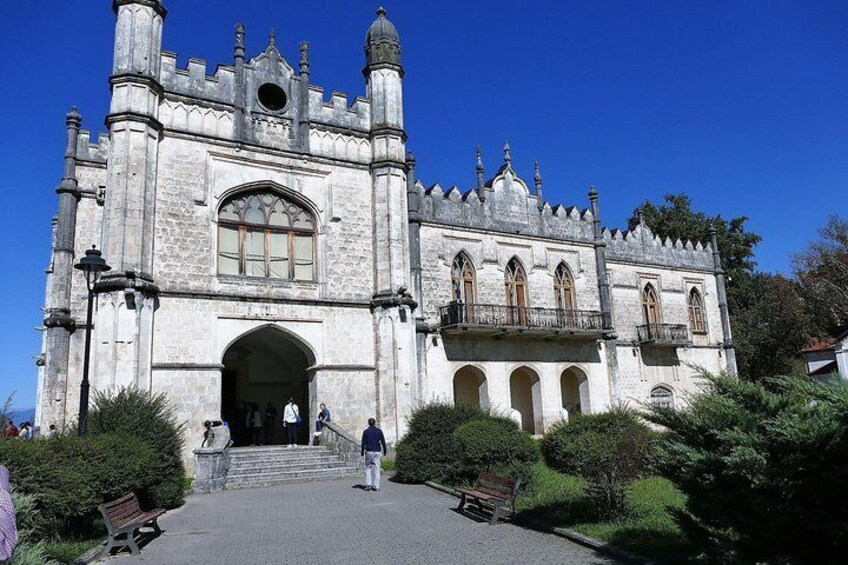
<point>721,291</point>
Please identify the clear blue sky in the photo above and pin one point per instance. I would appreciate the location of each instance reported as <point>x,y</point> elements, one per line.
<point>740,104</point>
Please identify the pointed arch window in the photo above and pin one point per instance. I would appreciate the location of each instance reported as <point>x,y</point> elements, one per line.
<point>564,293</point>
<point>463,279</point>
<point>262,234</point>
<point>696,312</point>
<point>662,396</point>
<point>515,285</point>
<point>650,305</point>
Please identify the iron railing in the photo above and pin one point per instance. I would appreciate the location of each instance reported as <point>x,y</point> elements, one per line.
<point>666,334</point>
<point>497,316</point>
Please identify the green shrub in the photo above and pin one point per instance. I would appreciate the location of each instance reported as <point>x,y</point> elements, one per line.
<point>609,449</point>
<point>429,450</point>
<point>67,477</point>
<point>764,466</point>
<point>495,445</point>
<point>150,418</point>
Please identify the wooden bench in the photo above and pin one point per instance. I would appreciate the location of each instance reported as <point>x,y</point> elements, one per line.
<point>124,516</point>
<point>496,492</point>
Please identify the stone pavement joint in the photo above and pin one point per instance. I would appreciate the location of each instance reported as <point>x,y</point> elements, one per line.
<point>337,522</point>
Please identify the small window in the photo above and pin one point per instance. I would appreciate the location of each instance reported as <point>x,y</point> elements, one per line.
<point>662,396</point>
<point>462,277</point>
<point>272,97</point>
<point>650,305</point>
<point>564,288</point>
<point>515,285</point>
<point>696,312</point>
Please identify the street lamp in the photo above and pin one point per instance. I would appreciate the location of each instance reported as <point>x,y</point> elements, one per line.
<point>92,265</point>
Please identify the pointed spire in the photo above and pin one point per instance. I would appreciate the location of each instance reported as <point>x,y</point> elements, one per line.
<point>381,12</point>
<point>304,57</point>
<point>507,154</point>
<point>480,178</point>
<point>641,215</point>
<point>537,180</point>
<point>272,38</point>
<point>238,50</point>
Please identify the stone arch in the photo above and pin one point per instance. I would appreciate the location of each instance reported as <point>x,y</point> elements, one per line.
<point>574,388</point>
<point>662,395</point>
<point>525,396</point>
<point>282,190</point>
<point>470,387</point>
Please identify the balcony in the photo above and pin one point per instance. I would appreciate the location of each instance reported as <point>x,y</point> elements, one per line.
<point>495,320</point>
<point>663,335</point>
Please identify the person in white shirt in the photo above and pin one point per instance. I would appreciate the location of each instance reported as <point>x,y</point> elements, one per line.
<point>291,417</point>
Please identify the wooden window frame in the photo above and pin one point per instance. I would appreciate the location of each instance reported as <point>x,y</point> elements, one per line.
<point>651,302</point>
<point>463,281</point>
<point>565,295</point>
<point>697,320</point>
<point>515,287</point>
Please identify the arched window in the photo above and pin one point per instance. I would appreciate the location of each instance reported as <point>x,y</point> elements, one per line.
<point>662,396</point>
<point>650,305</point>
<point>462,279</point>
<point>261,234</point>
<point>696,312</point>
<point>515,284</point>
<point>564,288</point>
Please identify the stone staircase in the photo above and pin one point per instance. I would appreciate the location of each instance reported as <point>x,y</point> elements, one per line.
<point>273,465</point>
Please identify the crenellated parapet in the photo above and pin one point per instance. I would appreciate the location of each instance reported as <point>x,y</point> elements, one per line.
<point>92,151</point>
<point>335,112</point>
<point>194,82</point>
<point>641,245</point>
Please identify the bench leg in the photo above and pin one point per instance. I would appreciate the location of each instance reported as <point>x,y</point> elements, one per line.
<point>156,527</point>
<point>110,544</point>
<point>461,502</point>
<point>496,513</point>
<point>131,543</point>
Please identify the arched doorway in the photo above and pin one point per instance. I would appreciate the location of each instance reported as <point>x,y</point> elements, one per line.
<point>469,387</point>
<point>525,395</point>
<point>574,387</point>
<point>265,366</point>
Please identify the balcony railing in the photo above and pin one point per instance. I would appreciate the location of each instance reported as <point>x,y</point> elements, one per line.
<point>458,315</point>
<point>663,334</point>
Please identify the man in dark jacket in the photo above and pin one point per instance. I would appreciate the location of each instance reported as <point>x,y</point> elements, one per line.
<point>373,448</point>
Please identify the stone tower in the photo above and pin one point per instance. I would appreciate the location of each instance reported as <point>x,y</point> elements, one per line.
<point>392,303</point>
<point>124,323</point>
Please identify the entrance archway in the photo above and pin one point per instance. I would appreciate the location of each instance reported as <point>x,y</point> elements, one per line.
<point>574,387</point>
<point>265,366</point>
<point>469,387</point>
<point>525,395</point>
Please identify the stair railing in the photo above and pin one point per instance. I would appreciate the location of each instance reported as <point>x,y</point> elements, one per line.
<point>342,443</point>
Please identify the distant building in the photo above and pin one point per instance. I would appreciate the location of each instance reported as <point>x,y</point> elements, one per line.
<point>827,359</point>
<point>268,242</point>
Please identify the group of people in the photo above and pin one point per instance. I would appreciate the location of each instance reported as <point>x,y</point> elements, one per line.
<point>10,430</point>
<point>250,426</point>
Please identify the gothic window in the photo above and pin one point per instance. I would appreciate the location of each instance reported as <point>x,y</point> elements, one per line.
<point>662,396</point>
<point>515,285</point>
<point>696,312</point>
<point>564,288</point>
<point>261,234</point>
<point>650,305</point>
<point>462,279</point>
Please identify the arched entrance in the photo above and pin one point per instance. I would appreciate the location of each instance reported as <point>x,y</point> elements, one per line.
<point>525,395</point>
<point>574,387</point>
<point>265,366</point>
<point>469,387</point>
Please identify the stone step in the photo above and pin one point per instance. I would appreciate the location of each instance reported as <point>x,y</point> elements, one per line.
<point>281,456</point>
<point>251,481</point>
<point>284,469</point>
<point>271,463</point>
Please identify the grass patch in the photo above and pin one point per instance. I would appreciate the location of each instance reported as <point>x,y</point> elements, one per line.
<point>66,551</point>
<point>388,465</point>
<point>649,528</point>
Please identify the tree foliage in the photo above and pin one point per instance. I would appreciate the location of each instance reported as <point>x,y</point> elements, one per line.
<point>822,271</point>
<point>764,466</point>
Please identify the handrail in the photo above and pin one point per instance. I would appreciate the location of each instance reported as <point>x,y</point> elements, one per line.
<point>342,443</point>
<point>496,315</point>
<point>663,333</point>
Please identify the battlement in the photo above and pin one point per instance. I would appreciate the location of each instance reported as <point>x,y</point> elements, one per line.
<point>96,151</point>
<point>336,112</point>
<point>642,245</point>
<point>193,81</point>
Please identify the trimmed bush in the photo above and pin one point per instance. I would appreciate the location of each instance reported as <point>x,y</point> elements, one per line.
<point>764,466</point>
<point>610,450</point>
<point>429,450</point>
<point>68,476</point>
<point>495,445</point>
<point>150,418</point>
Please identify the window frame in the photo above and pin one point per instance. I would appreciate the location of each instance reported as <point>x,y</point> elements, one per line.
<point>667,400</point>
<point>697,318</point>
<point>293,211</point>
<point>565,294</point>
<point>463,279</point>
<point>651,302</point>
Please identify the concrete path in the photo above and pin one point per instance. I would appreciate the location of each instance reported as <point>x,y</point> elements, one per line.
<point>336,522</point>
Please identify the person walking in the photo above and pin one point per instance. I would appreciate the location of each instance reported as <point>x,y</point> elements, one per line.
<point>291,418</point>
<point>270,418</point>
<point>257,424</point>
<point>8,527</point>
<point>373,448</point>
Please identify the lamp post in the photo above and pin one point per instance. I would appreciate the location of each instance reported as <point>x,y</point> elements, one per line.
<point>92,265</point>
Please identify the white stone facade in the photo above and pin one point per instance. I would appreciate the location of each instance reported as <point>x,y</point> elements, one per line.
<point>368,324</point>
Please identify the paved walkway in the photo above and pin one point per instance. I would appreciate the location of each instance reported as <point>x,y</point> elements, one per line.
<point>335,522</point>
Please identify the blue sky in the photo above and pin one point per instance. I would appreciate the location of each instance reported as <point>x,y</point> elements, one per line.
<point>740,104</point>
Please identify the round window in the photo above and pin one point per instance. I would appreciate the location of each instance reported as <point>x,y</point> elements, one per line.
<point>272,97</point>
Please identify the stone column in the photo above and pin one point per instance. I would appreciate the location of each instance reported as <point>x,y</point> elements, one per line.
<point>721,291</point>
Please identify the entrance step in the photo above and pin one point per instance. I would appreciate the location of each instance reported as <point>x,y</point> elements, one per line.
<point>272,465</point>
